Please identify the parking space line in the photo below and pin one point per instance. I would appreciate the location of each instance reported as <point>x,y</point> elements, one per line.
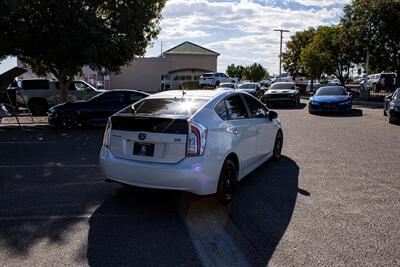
<point>205,220</point>
<point>62,217</point>
<point>57,165</point>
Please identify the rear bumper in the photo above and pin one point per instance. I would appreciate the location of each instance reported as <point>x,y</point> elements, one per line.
<point>191,174</point>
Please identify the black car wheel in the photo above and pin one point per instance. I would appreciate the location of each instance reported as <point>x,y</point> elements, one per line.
<point>69,120</point>
<point>278,146</point>
<point>390,117</point>
<point>227,181</point>
<point>217,84</point>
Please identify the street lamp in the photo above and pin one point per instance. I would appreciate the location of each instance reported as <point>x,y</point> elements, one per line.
<point>280,54</point>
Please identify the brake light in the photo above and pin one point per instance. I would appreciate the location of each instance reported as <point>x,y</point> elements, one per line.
<point>197,138</point>
<point>107,135</point>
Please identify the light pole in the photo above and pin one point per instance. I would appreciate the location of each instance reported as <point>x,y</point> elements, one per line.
<point>280,53</point>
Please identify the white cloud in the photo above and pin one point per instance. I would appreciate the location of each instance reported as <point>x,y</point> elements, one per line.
<point>242,32</point>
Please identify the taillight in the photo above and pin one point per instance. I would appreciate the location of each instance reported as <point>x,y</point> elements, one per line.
<point>197,138</point>
<point>107,135</point>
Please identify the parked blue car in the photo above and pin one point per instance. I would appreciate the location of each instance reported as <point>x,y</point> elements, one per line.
<point>331,99</point>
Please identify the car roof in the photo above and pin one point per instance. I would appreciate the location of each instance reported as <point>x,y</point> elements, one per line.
<point>126,90</point>
<point>188,94</point>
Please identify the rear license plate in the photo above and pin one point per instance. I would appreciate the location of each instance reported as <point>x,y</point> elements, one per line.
<point>143,149</point>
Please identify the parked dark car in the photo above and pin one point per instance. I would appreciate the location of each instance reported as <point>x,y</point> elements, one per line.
<point>93,111</point>
<point>251,88</point>
<point>391,107</point>
<point>282,92</point>
<point>331,99</point>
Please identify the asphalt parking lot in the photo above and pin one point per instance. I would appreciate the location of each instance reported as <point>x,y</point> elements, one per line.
<point>332,200</point>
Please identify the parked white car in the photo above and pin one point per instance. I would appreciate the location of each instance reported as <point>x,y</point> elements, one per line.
<point>227,86</point>
<point>202,141</point>
<point>214,79</point>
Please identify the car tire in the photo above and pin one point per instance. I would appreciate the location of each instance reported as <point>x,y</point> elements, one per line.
<point>390,118</point>
<point>216,84</point>
<point>38,107</point>
<point>384,113</point>
<point>276,155</point>
<point>69,120</point>
<point>227,181</point>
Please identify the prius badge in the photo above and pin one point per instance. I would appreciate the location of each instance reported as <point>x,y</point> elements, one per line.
<point>142,136</point>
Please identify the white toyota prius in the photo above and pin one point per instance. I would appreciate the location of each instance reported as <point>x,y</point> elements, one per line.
<point>202,142</point>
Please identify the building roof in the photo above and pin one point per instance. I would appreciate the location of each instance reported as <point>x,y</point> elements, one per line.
<point>190,48</point>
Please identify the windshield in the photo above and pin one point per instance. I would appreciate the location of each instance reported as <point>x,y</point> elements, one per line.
<point>331,91</point>
<point>281,86</point>
<point>248,86</point>
<point>166,106</point>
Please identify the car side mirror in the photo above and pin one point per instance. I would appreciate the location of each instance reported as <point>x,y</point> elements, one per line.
<point>272,115</point>
<point>311,93</point>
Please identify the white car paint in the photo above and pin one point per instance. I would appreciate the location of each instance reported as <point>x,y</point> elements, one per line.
<point>251,140</point>
<point>214,79</point>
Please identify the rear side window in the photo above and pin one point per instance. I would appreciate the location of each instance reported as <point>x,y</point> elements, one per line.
<point>236,108</point>
<point>110,97</point>
<point>221,110</point>
<point>35,85</point>
<point>168,106</point>
<point>257,110</point>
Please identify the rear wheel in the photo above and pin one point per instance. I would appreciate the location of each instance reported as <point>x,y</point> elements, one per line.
<point>227,181</point>
<point>278,146</point>
<point>389,117</point>
<point>217,84</point>
<point>69,120</point>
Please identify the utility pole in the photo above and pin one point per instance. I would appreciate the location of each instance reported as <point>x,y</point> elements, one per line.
<point>280,54</point>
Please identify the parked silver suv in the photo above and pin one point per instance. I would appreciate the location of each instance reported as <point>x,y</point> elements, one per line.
<point>40,94</point>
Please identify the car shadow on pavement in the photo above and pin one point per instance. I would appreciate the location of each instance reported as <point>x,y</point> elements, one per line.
<point>354,113</point>
<point>152,227</point>
<point>282,106</point>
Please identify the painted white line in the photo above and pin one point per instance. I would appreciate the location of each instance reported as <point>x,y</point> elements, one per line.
<point>61,217</point>
<point>57,165</point>
<point>205,220</point>
<point>28,143</point>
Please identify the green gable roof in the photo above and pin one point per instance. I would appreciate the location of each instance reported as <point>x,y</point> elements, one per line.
<point>190,48</point>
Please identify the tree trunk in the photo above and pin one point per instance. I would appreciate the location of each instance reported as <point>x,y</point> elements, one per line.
<point>64,82</point>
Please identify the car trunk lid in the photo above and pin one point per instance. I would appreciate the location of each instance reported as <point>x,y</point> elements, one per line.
<point>149,139</point>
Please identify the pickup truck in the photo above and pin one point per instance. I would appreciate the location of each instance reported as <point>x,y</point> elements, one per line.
<point>41,94</point>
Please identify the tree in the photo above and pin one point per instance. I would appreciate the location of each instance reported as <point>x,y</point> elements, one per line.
<point>312,62</point>
<point>291,58</point>
<point>235,71</point>
<point>334,46</point>
<point>62,36</point>
<point>373,25</point>
<point>255,72</point>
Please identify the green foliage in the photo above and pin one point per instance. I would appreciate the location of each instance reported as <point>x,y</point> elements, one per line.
<point>255,72</point>
<point>374,25</point>
<point>291,59</point>
<point>235,71</point>
<point>62,36</point>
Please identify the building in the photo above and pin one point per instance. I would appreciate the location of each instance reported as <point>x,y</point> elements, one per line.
<point>181,64</point>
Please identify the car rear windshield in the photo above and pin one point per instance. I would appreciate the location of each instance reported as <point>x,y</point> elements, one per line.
<point>287,86</point>
<point>185,107</point>
<point>331,91</point>
<point>248,86</point>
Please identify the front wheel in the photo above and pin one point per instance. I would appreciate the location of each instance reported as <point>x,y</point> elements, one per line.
<point>278,146</point>
<point>227,181</point>
<point>69,120</point>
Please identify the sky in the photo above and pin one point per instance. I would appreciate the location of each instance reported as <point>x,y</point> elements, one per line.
<point>242,30</point>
